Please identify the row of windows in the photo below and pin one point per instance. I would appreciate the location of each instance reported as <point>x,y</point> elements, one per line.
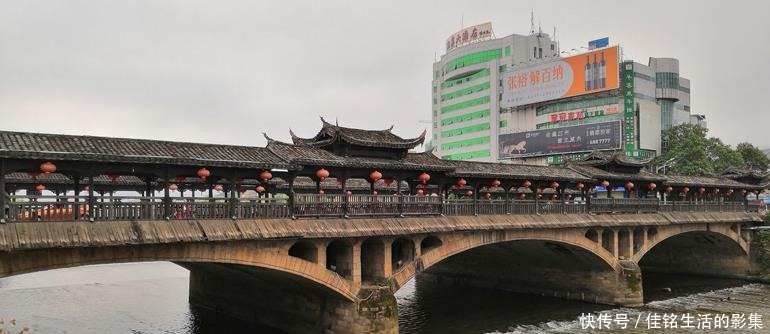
<point>465,104</point>
<point>464,130</point>
<point>465,117</point>
<point>557,107</point>
<point>649,78</point>
<point>464,143</point>
<point>467,155</point>
<point>465,91</point>
<point>473,58</point>
<point>504,123</point>
<point>667,80</point>
<point>462,80</point>
<point>597,119</point>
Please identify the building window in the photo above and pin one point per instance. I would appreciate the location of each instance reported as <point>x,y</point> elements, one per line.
<point>473,58</point>
<point>462,80</point>
<point>534,52</point>
<point>435,113</point>
<point>507,51</point>
<point>666,80</point>
<point>503,68</point>
<point>552,47</point>
<point>504,123</point>
<point>540,53</point>
<point>435,89</point>
<point>434,100</point>
<point>464,130</point>
<point>467,155</point>
<point>466,91</point>
<point>465,117</point>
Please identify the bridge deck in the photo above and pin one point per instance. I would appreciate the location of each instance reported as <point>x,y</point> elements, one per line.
<point>40,235</point>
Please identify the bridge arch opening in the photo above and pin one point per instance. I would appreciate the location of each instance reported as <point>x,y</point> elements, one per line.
<point>671,263</point>
<point>592,235</point>
<point>402,252</point>
<point>608,240</point>
<point>545,267</point>
<point>339,258</point>
<point>429,243</point>
<point>305,250</point>
<point>372,259</point>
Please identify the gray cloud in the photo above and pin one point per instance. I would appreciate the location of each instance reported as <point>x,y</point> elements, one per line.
<point>224,72</point>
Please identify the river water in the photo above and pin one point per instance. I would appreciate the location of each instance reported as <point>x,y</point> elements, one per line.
<point>152,298</point>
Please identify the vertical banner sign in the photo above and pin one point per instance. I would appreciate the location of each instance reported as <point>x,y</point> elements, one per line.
<point>628,108</point>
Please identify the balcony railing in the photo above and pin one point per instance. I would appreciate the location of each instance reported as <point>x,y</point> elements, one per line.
<point>67,208</point>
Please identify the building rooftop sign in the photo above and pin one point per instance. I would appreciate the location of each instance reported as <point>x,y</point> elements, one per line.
<point>469,35</point>
<point>585,73</point>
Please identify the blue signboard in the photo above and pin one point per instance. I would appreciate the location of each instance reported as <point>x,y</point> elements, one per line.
<point>599,43</point>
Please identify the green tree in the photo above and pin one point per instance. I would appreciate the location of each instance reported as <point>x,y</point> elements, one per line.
<point>690,152</point>
<point>753,157</point>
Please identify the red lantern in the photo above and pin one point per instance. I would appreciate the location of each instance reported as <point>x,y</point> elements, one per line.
<point>375,176</point>
<point>469,193</point>
<point>349,192</point>
<point>374,192</point>
<point>265,176</point>
<point>669,189</point>
<point>424,178</point>
<point>173,186</point>
<point>218,187</point>
<point>526,184</point>
<point>112,177</point>
<point>461,183</point>
<point>47,167</point>
<point>702,190</point>
<point>203,173</point>
<point>652,186</point>
<point>420,191</point>
<point>605,183</point>
<point>629,185</point>
<point>686,190</point>
<point>522,195</point>
<point>322,174</point>
<point>496,183</point>
<point>40,188</point>
<point>260,189</point>
<point>554,184</point>
<point>580,186</point>
<point>321,192</point>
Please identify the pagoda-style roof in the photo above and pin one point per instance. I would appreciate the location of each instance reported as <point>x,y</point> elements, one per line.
<point>707,181</point>
<point>600,159</point>
<point>747,175</point>
<point>23,145</point>
<point>311,155</point>
<point>333,133</point>
<point>601,174</point>
<point>513,171</point>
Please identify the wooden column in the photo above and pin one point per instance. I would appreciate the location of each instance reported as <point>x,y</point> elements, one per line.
<point>292,213</point>
<point>475,188</point>
<point>344,188</point>
<point>400,198</point>
<point>166,197</point>
<point>3,194</point>
<point>91,199</point>
<point>76,201</point>
<point>536,192</point>
<point>233,198</point>
<point>507,189</point>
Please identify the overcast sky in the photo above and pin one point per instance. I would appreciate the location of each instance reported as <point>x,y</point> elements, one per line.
<point>225,71</point>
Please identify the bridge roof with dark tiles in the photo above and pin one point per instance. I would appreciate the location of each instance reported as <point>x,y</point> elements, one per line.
<point>707,181</point>
<point>738,173</point>
<point>598,173</point>
<point>309,155</point>
<point>353,184</point>
<point>123,150</point>
<point>329,133</point>
<point>597,158</point>
<point>513,171</point>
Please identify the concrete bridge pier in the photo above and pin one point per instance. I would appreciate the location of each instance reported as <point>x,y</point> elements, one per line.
<point>287,303</point>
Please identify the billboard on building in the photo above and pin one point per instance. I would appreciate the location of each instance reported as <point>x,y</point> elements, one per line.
<point>469,35</point>
<point>569,139</point>
<point>586,73</point>
<point>599,43</point>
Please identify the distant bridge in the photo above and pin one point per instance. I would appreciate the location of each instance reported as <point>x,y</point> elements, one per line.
<point>316,236</point>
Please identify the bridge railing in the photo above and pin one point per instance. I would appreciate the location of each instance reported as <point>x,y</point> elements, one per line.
<point>67,208</point>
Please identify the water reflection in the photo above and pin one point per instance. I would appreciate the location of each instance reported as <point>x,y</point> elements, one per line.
<point>152,298</point>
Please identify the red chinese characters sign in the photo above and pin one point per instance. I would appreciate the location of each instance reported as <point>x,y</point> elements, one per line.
<point>469,35</point>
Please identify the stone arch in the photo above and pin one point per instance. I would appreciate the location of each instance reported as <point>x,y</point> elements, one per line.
<point>656,236</point>
<point>339,258</point>
<point>305,250</point>
<point>372,259</point>
<point>429,243</point>
<point>236,253</point>
<point>455,244</point>
<point>402,253</point>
